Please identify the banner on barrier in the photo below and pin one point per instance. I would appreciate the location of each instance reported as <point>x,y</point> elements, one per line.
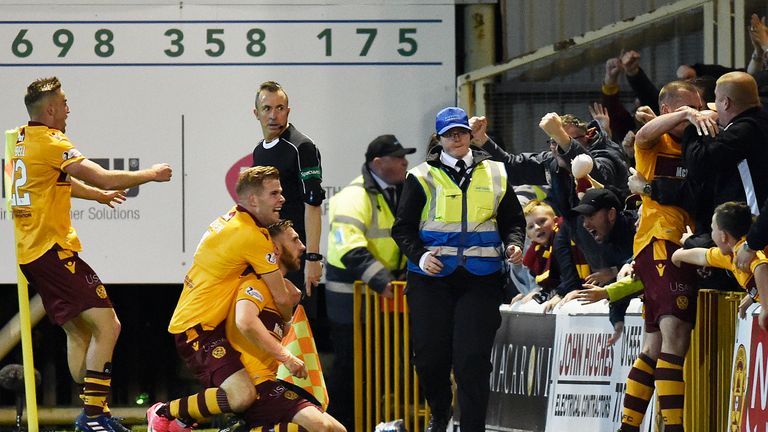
<point>522,362</point>
<point>589,374</point>
<point>749,376</point>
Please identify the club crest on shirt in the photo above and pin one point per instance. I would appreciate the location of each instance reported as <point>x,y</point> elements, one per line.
<point>254,293</point>
<point>271,258</point>
<point>682,302</point>
<point>219,352</point>
<point>71,154</point>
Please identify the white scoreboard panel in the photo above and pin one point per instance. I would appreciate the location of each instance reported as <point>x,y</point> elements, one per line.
<point>176,83</point>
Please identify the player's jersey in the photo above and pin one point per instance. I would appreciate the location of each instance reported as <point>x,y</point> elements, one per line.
<point>663,222</point>
<point>746,279</point>
<point>259,364</point>
<point>41,192</point>
<point>232,243</point>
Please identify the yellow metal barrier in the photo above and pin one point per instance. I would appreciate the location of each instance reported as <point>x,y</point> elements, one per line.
<point>390,389</point>
<point>708,363</point>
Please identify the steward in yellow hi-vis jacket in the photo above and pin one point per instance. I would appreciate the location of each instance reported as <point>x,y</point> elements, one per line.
<point>457,221</point>
<point>360,247</point>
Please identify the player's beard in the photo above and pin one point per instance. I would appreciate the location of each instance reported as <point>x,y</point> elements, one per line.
<point>293,264</point>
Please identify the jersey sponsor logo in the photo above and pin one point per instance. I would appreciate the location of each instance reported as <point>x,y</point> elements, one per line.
<point>254,293</point>
<point>101,292</point>
<point>660,269</point>
<point>682,302</point>
<point>70,265</point>
<point>271,258</point>
<point>71,154</point>
<point>219,352</point>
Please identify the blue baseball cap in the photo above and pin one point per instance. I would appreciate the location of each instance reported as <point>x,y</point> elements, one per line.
<point>449,118</point>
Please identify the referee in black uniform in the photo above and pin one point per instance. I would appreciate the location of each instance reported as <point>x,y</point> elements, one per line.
<point>298,160</point>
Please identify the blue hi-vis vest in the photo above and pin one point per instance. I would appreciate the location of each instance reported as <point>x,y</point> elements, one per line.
<point>462,225</point>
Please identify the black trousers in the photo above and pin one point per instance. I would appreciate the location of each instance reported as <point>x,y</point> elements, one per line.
<point>453,324</point>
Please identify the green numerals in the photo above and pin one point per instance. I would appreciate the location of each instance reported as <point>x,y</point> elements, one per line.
<point>256,47</point>
<point>255,44</point>
<point>213,39</point>
<point>371,32</point>
<point>177,48</point>
<point>408,44</point>
<point>21,47</point>
<point>327,35</point>
<point>63,39</point>
<point>408,41</point>
<point>104,47</point>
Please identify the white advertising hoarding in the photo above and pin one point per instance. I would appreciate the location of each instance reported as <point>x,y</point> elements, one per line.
<point>176,83</point>
<point>589,374</point>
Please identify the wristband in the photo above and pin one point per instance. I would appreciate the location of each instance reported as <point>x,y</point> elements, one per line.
<point>311,256</point>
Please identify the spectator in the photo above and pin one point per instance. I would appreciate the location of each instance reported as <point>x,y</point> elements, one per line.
<point>542,227</point>
<point>758,35</point>
<point>645,90</point>
<point>574,137</point>
<point>523,168</point>
<point>621,120</point>
<point>730,224</point>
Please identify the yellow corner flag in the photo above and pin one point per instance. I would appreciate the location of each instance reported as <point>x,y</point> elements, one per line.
<point>25,327</point>
<point>300,342</point>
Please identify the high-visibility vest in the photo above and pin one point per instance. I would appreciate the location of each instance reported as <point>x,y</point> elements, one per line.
<point>361,218</point>
<point>462,224</point>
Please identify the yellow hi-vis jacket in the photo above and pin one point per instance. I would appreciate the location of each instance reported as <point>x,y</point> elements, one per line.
<point>361,217</point>
<point>462,224</point>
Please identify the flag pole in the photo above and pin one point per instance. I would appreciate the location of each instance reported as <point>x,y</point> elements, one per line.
<point>24,320</point>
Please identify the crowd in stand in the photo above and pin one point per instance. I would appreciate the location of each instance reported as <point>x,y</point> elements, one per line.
<point>657,201</point>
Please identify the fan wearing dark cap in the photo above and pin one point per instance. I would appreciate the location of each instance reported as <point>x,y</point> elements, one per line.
<point>457,222</point>
<point>603,220</point>
<point>360,247</point>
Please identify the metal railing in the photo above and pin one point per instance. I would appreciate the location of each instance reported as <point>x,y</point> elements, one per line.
<point>707,368</point>
<point>386,384</point>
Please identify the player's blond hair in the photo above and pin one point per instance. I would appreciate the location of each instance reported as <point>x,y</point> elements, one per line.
<point>252,179</point>
<point>534,203</point>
